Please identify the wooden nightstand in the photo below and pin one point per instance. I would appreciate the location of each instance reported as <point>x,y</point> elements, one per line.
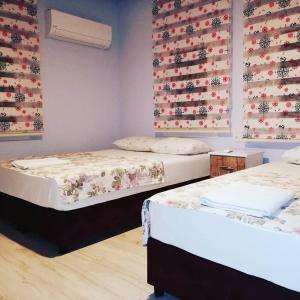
<point>223,163</point>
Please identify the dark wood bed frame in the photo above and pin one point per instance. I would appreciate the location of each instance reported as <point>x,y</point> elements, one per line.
<point>70,230</point>
<point>188,276</point>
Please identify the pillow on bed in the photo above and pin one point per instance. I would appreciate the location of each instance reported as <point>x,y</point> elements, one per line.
<point>180,146</point>
<point>136,143</point>
<point>292,155</point>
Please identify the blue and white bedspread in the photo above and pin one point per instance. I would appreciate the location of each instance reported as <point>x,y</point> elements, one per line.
<point>279,174</point>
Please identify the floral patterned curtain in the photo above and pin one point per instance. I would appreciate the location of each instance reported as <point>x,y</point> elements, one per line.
<point>20,83</point>
<point>272,69</point>
<point>191,61</point>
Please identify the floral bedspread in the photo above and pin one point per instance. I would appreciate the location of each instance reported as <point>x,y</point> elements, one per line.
<point>280,174</point>
<point>93,173</point>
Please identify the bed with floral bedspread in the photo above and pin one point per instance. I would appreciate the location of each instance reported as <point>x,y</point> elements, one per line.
<point>278,174</point>
<point>204,248</point>
<point>90,174</point>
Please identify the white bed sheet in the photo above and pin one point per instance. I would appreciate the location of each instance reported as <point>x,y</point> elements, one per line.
<point>258,251</point>
<point>44,191</point>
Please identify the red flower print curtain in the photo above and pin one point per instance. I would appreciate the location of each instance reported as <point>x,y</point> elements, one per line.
<point>272,69</point>
<point>191,62</point>
<point>20,85</point>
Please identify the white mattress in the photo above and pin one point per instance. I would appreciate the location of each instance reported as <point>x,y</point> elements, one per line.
<point>269,254</point>
<point>43,191</point>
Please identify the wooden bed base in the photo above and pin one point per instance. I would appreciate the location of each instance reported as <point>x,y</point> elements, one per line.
<point>70,230</point>
<point>188,276</point>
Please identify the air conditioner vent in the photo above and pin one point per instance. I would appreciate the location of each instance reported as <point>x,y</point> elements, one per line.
<point>74,29</point>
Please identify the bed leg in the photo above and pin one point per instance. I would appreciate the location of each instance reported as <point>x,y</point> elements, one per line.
<point>21,228</point>
<point>62,250</point>
<point>158,292</point>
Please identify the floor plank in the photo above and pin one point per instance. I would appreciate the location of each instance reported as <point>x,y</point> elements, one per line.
<point>111,269</point>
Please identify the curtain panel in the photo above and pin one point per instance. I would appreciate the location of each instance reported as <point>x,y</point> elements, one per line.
<point>20,83</point>
<point>191,65</point>
<point>272,70</point>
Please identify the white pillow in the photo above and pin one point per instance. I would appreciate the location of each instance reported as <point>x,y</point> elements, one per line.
<point>136,143</point>
<point>180,146</point>
<point>292,155</point>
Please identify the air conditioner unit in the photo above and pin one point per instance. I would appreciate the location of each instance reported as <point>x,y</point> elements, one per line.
<point>77,30</point>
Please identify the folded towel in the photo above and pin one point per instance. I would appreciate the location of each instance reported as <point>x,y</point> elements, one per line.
<point>250,199</point>
<point>30,164</point>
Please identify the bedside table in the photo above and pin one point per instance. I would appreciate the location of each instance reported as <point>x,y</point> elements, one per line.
<point>223,163</point>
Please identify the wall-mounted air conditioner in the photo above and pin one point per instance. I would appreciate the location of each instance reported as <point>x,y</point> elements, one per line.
<point>74,29</point>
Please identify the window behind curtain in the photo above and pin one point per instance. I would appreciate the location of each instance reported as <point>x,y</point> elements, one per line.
<point>191,65</point>
<point>272,69</point>
<point>20,82</point>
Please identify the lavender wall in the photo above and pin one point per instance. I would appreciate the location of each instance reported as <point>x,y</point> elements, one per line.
<point>136,67</point>
<point>80,87</point>
<point>136,80</point>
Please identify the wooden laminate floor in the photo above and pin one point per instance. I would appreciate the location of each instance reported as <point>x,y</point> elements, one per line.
<point>111,269</point>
